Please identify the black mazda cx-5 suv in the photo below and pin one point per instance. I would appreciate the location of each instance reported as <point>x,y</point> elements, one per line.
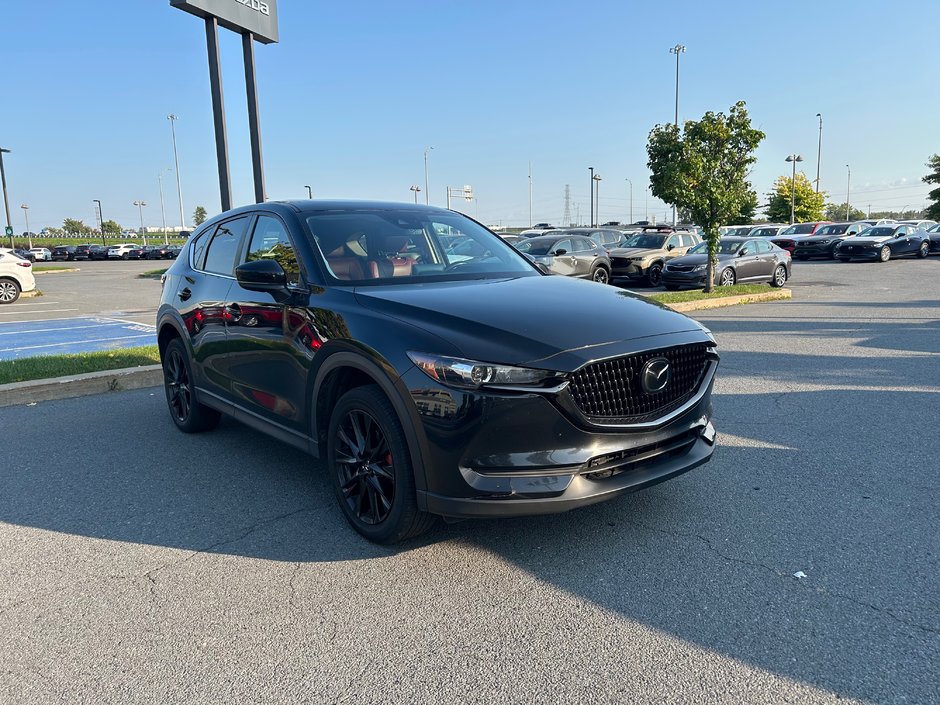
<point>434,368</point>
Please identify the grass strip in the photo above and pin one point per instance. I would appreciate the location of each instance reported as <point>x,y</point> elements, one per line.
<point>48,366</point>
<point>675,297</point>
<point>51,268</point>
<point>152,273</point>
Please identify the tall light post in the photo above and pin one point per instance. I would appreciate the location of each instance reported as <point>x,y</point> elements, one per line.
<point>29,235</point>
<point>309,193</point>
<point>677,50</point>
<point>179,186</point>
<point>427,193</point>
<point>100,219</point>
<point>848,191</point>
<point>631,200</point>
<point>591,191</point>
<point>6,200</point>
<point>597,198</point>
<point>140,207</point>
<point>793,158</point>
<point>166,238</point>
<point>416,189</point>
<point>530,194</point>
<point>819,152</point>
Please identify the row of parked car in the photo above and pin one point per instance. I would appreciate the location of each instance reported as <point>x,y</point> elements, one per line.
<point>124,251</point>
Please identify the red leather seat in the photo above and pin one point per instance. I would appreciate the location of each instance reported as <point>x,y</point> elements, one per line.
<point>345,267</point>
<point>391,267</point>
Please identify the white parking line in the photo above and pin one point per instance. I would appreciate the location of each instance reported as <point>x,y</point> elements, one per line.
<point>37,303</point>
<point>76,342</point>
<point>48,310</point>
<point>54,330</point>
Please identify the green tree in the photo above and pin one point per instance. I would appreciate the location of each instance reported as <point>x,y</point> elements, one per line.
<point>836,211</point>
<point>110,227</point>
<point>808,205</point>
<point>75,227</point>
<point>705,170</point>
<point>199,216</point>
<point>748,211</point>
<point>933,210</point>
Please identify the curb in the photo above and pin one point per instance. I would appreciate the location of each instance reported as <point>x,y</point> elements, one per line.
<point>719,302</point>
<point>19,393</point>
<point>30,294</point>
<point>56,271</point>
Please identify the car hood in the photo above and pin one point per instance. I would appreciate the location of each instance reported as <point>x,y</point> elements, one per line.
<point>820,238</point>
<point>868,240</point>
<point>635,252</point>
<point>551,322</point>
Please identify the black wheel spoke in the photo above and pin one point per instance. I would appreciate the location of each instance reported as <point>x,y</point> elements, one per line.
<point>362,461</point>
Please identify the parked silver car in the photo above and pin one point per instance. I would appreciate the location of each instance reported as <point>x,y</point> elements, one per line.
<point>569,255</point>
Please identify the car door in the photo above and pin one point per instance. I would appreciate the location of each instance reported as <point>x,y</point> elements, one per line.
<point>584,254</point>
<point>272,339</point>
<point>766,257</point>
<point>900,243</point>
<point>202,293</point>
<point>747,264</point>
<point>566,263</point>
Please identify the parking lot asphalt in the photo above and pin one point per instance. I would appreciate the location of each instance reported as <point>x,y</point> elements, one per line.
<point>799,566</point>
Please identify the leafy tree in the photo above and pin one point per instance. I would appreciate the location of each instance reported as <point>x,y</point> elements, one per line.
<point>53,232</point>
<point>748,211</point>
<point>808,205</point>
<point>836,211</point>
<point>933,210</point>
<point>704,169</point>
<point>199,216</point>
<point>75,227</point>
<point>110,227</point>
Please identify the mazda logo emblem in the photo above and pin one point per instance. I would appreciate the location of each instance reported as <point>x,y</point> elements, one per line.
<point>655,375</point>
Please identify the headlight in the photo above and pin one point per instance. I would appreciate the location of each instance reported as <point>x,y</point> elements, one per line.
<point>700,268</point>
<point>824,242</point>
<point>469,374</point>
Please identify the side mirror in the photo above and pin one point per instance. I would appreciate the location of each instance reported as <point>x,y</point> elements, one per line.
<point>542,268</point>
<point>670,247</point>
<point>561,251</point>
<point>261,275</point>
<point>742,253</point>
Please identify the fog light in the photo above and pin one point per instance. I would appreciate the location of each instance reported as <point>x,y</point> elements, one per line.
<point>709,433</point>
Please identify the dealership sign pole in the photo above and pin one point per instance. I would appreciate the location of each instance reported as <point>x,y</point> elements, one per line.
<point>255,21</point>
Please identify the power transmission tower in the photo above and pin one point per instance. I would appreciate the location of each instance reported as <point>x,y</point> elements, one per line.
<point>566,218</point>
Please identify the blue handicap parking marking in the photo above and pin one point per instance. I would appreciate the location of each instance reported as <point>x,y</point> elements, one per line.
<point>71,335</point>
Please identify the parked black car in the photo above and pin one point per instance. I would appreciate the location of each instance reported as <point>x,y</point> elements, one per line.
<point>568,255</point>
<point>142,252</point>
<point>824,242</point>
<point>883,242</point>
<point>741,260</point>
<point>89,252</point>
<point>933,233</point>
<point>63,253</point>
<point>159,252</point>
<point>432,384</point>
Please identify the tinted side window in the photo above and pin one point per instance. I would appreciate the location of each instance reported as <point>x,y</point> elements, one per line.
<point>199,247</point>
<point>763,246</point>
<point>672,242</point>
<point>220,259</point>
<point>270,241</point>
<point>579,245</point>
<point>562,245</point>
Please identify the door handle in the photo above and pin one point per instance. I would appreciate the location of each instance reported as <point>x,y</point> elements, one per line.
<point>184,294</point>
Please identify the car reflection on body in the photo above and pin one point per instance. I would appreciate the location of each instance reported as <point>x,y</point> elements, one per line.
<point>571,256</point>
<point>883,242</point>
<point>740,260</point>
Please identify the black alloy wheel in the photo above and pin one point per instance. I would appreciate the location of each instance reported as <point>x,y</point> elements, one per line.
<point>885,254</point>
<point>188,414</point>
<point>370,468</point>
<point>655,274</point>
<point>924,250</point>
<point>600,275</point>
<point>780,276</point>
<point>727,278</point>
<point>9,291</point>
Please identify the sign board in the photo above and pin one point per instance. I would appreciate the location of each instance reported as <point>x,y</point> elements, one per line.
<point>256,16</point>
<point>9,231</point>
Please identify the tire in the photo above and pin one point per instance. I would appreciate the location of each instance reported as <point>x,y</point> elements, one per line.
<point>125,256</point>
<point>187,413</point>
<point>370,468</point>
<point>654,275</point>
<point>9,291</point>
<point>780,276</point>
<point>924,250</point>
<point>600,275</point>
<point>832,253</point>
<point>727,277</point>
<point>885,254</point>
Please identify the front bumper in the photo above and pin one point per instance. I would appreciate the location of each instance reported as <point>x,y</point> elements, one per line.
<point>813,251</point>
<point>491,454</point>
<point>694,279</point>
<point>858,252</point>
<point>625,269</point>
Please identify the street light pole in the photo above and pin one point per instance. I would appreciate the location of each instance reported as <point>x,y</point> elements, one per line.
<point>677,50</point>
<point>166,238</point>
<point>29,235</point>
<point>793,158</point>
<point>309,193</point>
<point>6,200</point>
<point>530,194</point>
<point>140,207</point>
<point>819,152</point>
<point>848,191</point>
<point>597,198</point>
<point>591,191</point>
<point>631,200</point>
<point>176,159</point>
<point>100,219</point>
<point>427,193</point>
<point>416,189</point>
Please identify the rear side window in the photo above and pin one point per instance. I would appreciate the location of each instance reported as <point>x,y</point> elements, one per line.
<point>579,245</point>
<point>270,241</point>
<point>199,247</point>
<point>220,258</point>
<point>763,246</point>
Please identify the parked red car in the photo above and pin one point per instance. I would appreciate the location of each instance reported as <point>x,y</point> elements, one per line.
<point>786,238</point>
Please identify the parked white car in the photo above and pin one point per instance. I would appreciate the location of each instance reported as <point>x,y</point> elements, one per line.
<point>16,276</point>
<point>120,251</point>
<point>42,254</point>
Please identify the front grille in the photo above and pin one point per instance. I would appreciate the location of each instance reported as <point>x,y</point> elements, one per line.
<point>610,391</point>
<point>680,267</point>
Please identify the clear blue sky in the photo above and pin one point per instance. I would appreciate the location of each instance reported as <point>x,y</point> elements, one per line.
<point>355,91</point>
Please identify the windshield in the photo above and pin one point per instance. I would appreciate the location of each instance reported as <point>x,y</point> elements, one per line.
<point>647,242</point>
<point>800,229</point>
<point>398,246</point>
<point>764,232</point>
<point>725,247</point>
<point>832,229</point>
<point>880,231</point>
